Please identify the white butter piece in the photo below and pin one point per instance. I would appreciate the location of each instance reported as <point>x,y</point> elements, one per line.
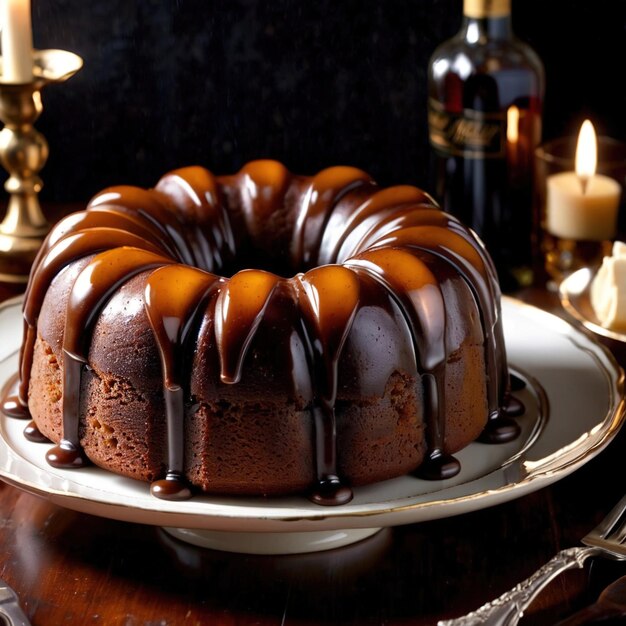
<point>608,289</point>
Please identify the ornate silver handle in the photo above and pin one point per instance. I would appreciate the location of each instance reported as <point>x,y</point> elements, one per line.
<point>508,609</point>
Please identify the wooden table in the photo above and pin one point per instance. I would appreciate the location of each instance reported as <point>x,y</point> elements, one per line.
<point>72,568</point>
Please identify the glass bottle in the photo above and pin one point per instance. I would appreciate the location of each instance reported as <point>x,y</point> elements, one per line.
<point>484,116</point>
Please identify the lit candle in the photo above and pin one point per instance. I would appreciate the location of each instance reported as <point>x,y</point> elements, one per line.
<point>582,205</point>
<point>17,41</point>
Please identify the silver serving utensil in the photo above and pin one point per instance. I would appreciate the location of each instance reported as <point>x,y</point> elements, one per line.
<point>10,611</point>
<point>606,539</point>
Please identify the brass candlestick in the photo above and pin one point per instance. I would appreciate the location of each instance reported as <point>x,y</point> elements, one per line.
<point>23,152</point>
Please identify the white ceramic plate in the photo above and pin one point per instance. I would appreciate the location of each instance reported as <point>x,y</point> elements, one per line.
<point>574,403</point>
<point>574,293</point>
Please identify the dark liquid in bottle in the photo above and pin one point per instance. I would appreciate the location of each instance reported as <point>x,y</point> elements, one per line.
<point>485,122</point>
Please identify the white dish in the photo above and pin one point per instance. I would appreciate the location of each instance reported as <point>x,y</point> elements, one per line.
<point>574,293</point>
<point>574,408</point>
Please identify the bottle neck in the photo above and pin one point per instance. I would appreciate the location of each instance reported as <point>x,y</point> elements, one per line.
<point>486,19</point>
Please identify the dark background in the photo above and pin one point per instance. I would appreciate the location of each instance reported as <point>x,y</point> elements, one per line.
<point>310,82</point>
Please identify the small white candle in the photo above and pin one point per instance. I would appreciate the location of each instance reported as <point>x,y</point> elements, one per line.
<point>17,41</point>
<point>583,205</point>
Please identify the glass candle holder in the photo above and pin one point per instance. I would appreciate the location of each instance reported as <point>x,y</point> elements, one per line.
<point>574,227</point>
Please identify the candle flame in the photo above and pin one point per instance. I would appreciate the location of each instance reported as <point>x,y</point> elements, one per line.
<point>512,124</point>
<point>586,151</point>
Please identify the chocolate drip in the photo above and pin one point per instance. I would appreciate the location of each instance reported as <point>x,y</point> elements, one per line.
<point>500,430</point>
<point>470,259</point>
<point>439,467</point>
<point>12,405</point>
<point>328,299</point>
<point>413,286</point>
<point>94,218</point>
<point>91,289</point>
<point>443,235</point>
<point>29,336</point>
<point>173,486</point>
<point>173,295</point>
<point>416,291</point>
<point>68,454</point>
<point>32,433</point>
<point>456,251</point>
<point>512,406</point>
<point>69,248</point>
<point>57,251</point>
<point>72,247</point>
<point>238,313</point>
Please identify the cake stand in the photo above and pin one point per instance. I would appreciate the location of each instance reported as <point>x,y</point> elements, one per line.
<point>575,406</point>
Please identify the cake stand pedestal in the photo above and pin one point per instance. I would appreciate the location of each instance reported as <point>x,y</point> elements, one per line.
<point>271,543</point>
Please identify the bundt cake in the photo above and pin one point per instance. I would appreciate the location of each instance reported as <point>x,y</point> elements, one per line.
<point>367,343</point>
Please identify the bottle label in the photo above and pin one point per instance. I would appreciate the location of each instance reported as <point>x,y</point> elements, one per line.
<point>470,134</point>
<point>480,9</point>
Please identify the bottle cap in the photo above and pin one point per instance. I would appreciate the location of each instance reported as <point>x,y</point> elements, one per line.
<point>486,8</point>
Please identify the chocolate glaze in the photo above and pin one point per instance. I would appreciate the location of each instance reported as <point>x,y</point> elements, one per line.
<point>173,295</point>
<point>11,404</point>
<point>66,455</point>
<point>12,407</point>
<point>239,309</point>
<point>500,430</point>
<point>32,433</point>
<point>326,328</point>
<point>172,487</point>
<point>324,192</point>
<point>422,228</point>
<point>91,289</point>
<point>181,232</point>
<point>195,192</point>
<point>416,289</point>
<point>512,406</point>
<point>439,467</point>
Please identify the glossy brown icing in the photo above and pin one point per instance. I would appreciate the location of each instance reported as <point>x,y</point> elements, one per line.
<point>173,295</point>
<point>371,244</point>
<point>329,300</point>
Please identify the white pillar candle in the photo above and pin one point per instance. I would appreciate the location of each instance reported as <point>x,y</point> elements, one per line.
<point>17,41</point>
<point>583,205</point>
<point>589,216</point>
